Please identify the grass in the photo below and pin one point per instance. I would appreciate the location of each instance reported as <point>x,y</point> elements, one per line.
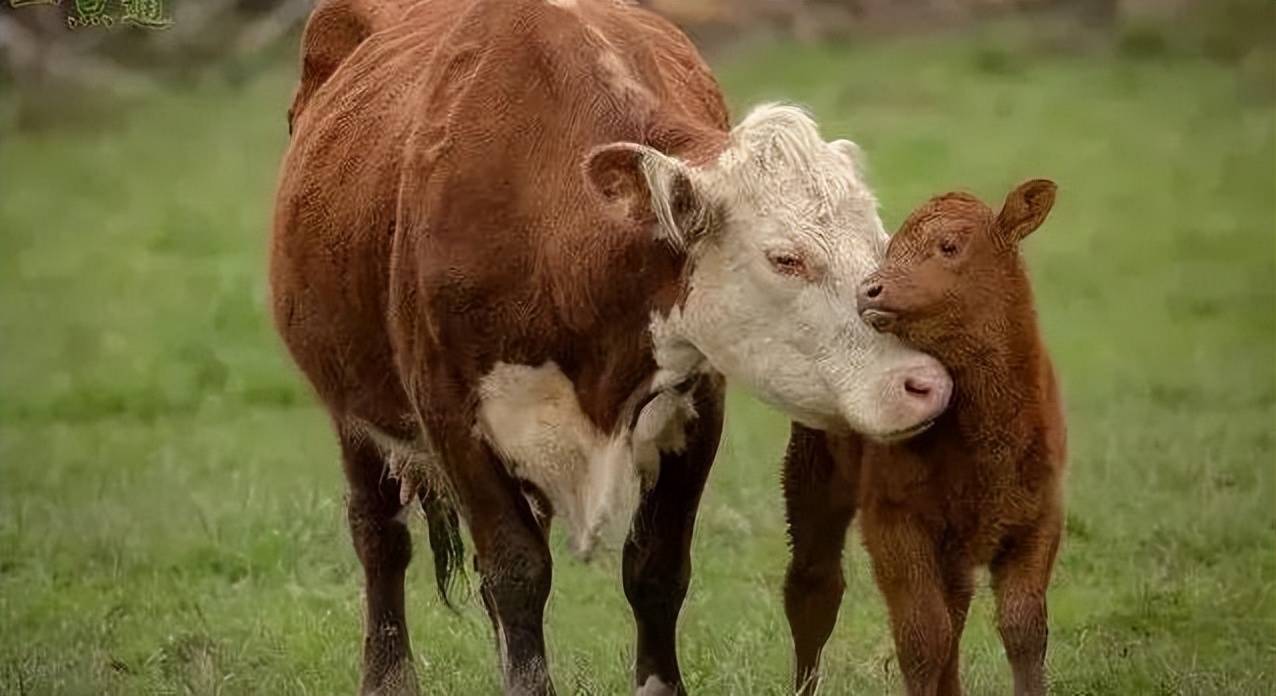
<point>170,500</point>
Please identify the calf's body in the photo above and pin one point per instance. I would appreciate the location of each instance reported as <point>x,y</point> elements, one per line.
<point>981,487</point>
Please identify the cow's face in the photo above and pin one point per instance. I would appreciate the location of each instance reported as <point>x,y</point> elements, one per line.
<point>780,231</point>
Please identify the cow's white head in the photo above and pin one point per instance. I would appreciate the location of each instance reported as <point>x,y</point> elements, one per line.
<point>780,230</point>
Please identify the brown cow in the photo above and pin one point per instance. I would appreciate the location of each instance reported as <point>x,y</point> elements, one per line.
<point>982,487</point>
<point>497,329</point>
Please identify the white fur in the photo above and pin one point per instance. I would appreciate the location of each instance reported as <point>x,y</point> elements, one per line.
<point>412,462</point>
<point>654,686</point>
<point>593,480</point>
<point>797,343</point>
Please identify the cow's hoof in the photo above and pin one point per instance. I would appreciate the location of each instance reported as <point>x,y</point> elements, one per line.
<point>654,686</point>
<point>399,680</point>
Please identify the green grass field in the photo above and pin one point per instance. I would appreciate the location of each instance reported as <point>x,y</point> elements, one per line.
<point>171,516</point>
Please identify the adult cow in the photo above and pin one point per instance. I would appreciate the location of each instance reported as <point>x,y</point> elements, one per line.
<point>515,249</point>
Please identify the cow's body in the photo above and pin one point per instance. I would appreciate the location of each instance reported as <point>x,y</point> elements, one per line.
<point>501,271</point>
<point>492,323</point>
<point>407,224</point>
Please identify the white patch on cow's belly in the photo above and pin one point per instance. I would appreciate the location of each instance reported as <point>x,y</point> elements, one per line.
<point>594,480</point>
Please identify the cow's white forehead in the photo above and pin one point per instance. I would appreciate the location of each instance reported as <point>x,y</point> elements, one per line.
<point>777,165</point>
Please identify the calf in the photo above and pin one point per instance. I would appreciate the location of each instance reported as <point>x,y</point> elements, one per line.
<point>517,247</point>
<point>983,486</point>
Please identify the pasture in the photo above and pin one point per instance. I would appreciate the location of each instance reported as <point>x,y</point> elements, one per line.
<point>171,515</point>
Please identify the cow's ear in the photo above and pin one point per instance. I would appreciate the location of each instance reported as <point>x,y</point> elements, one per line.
<point>1025,209</point>
<point>649,187</point>
<point>853,154</point>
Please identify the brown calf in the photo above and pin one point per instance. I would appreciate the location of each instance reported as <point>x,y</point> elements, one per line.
<point>983,486</point>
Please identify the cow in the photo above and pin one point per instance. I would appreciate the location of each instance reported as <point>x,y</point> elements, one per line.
<point>982,487</point>
<point>517,251</point>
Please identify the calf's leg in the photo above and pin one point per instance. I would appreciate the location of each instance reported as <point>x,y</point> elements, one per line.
<point>384,547</point>
<point>819,497</point>
<point>656,568</point>
<point>958,589</point>
<point>907,571</point>
<point>1020,576</point>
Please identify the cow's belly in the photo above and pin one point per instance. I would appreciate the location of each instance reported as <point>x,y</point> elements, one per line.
<point>594,480</point>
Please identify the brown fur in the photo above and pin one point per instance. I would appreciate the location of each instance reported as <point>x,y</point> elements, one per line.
<point>984,486</point>
<point>433,219</point>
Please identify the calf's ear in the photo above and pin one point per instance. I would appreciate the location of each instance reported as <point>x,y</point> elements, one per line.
<point>646,186</point>
<point>1025,209</point>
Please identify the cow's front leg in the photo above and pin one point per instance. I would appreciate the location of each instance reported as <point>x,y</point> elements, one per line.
<point>512,558</point>
<point>657,556</point>
<point>384,548</point>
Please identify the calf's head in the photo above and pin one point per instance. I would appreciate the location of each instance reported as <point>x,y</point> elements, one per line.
<point>952,267</point>
<point>779,231</point>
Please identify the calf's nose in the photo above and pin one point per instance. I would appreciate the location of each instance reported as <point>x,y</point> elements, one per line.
<point>868,293</point>
<point>870,304</point>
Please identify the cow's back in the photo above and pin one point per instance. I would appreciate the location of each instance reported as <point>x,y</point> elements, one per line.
<point>435,172</point>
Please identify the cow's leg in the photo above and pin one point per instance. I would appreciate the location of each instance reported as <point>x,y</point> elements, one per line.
<point>907,571</point>
<point>1020,576</point>
<point>511,555</point>
<point>657,556</point>
<point>819,499</point>
<point>384,547</point>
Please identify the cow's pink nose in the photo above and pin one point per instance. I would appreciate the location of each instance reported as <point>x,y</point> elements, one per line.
<point>918,386</point>
<point>928,392</point>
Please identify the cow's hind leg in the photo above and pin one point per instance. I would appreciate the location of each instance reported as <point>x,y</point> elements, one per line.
<point>384,547</point>
<point>657,555</point>
<point>819,498</point>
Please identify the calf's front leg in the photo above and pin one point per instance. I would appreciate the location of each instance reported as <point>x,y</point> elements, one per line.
<point>820,473</point>
<point>908,573</point>
<point>1020,576</point>
<point>656,566</point>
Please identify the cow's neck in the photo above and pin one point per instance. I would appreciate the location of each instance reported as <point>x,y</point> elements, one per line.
<point>649,281</point>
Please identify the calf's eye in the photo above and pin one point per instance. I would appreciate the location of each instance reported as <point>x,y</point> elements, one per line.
<point>948,248</point>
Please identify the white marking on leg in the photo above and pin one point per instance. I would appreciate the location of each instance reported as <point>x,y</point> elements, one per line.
<point>654,686</point>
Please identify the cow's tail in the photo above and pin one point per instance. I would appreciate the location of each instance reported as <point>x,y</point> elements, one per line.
<point>444,531</point>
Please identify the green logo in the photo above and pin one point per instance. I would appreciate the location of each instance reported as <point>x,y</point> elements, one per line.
<point>107,13</point>
<point>145,13</point>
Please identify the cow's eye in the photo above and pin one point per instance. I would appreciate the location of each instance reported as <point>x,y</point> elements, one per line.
<point>948,248</point>
<point>787,263</point>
